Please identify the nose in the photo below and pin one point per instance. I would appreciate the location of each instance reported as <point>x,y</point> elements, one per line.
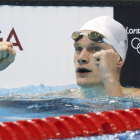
<point>83,57</point>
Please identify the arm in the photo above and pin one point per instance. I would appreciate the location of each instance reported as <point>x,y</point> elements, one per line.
<point>113,87</point>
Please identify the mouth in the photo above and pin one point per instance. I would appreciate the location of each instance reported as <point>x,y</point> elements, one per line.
<point>83,71</point>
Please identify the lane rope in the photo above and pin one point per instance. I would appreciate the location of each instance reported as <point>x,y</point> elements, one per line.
<point>63,127</point>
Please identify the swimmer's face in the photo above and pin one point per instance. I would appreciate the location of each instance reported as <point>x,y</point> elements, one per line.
<point>87,74</point>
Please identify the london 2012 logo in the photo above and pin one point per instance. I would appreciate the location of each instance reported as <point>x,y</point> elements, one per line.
<point>137,46</point>
<point>135,39</point>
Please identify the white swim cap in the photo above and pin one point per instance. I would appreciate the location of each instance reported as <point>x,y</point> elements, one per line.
<point>112,30</point>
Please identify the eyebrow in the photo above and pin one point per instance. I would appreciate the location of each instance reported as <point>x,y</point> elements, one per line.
<point>77,44</point>
<point>90,44</point>
<point>94,45</point>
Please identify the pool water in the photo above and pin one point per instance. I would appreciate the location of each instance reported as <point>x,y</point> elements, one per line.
<point>42,101</point>
<point>130,135</point>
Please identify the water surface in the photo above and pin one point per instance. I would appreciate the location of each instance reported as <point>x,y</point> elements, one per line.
<point>42,101</point>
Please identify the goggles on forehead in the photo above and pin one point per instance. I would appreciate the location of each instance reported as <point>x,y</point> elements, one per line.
<point>94,36</point>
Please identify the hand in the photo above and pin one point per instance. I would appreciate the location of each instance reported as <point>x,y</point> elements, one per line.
<point>7,54</point>
<point>107,61</point>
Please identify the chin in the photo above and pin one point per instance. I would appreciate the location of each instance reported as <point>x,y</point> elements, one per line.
<point>88,84</point>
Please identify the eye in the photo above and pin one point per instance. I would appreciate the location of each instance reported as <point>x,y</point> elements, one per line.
<point>95,49</point>
<point>78,49</point>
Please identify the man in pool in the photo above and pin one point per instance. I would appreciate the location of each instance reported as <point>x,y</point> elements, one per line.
<point>7,54</point>
<point>100,51</point>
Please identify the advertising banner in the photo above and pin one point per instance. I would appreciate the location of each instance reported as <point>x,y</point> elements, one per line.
<point>42,38</point>
<point>129,17</point>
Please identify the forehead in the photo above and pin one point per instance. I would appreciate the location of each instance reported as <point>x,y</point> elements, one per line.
<point>85,42</point>
<point>86,31</point>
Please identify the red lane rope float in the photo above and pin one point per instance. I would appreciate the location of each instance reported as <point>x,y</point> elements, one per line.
<point>91,124</point>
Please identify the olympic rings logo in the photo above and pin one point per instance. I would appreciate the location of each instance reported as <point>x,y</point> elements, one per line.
<point>138,46</point>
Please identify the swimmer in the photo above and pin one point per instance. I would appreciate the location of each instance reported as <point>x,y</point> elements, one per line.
<point>7,54</point>
<point>100,51</point>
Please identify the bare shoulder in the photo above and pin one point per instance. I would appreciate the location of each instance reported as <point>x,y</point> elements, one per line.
<point>136,92</point>
<point>130,91</point>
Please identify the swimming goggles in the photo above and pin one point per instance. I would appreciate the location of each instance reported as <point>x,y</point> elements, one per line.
<point>94,36</point>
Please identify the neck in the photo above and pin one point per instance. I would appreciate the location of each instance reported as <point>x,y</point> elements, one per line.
<point>95,91</point>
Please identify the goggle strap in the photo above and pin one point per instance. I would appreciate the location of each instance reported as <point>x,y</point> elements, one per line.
<point>83,33</point>
<point>106,41</point>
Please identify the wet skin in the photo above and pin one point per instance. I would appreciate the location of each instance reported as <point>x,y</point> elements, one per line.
<point>83,58</point>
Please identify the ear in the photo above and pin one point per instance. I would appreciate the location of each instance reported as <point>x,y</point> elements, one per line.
<point>120,63</point>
